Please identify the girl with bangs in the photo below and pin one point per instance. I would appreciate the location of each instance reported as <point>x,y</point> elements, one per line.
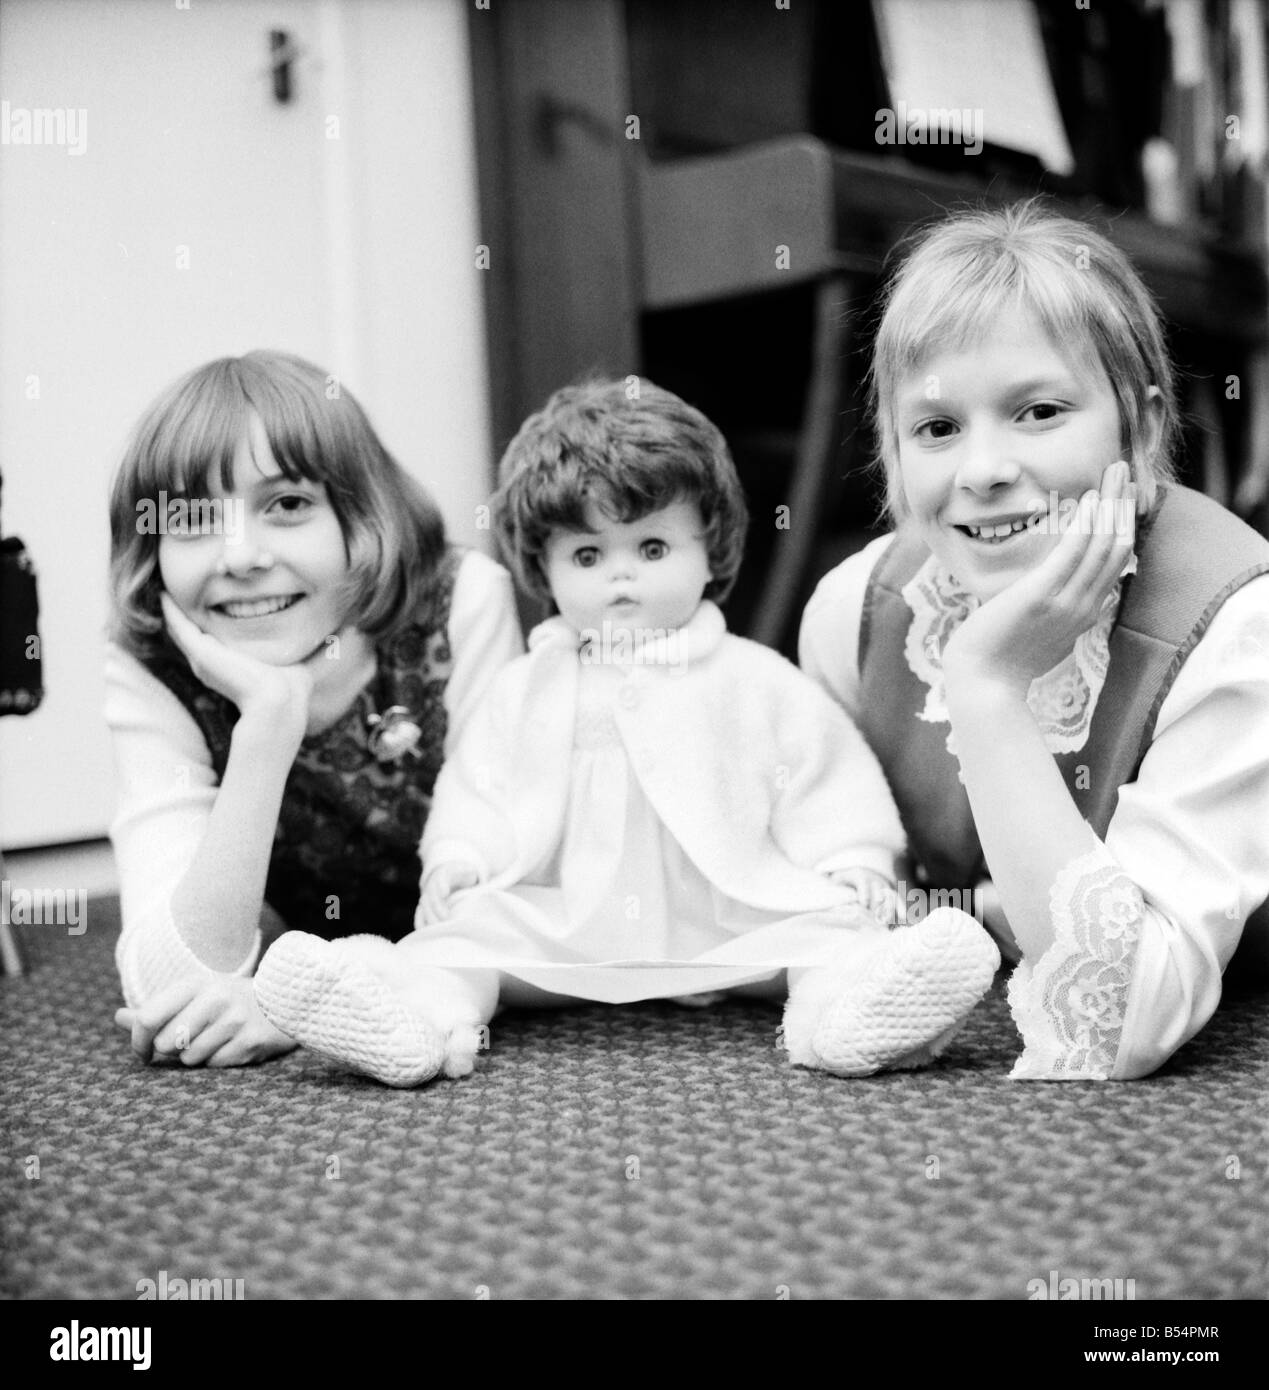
<point>1060,657</point>
<point>295,649</point>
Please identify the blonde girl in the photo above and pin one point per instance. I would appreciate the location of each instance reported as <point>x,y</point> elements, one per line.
<point>1060,657</point>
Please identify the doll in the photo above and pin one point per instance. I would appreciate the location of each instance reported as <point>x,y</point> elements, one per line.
<point>644,805</point>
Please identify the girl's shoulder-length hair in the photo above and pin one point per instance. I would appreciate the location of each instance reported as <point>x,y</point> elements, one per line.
<point>184,448</point>
<point>955,277</point>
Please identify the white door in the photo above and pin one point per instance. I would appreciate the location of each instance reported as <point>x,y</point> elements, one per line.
<point>174,211</point>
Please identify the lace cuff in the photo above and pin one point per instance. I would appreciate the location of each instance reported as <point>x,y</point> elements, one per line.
<point>1069,1006</point>
<point>1062,700</point>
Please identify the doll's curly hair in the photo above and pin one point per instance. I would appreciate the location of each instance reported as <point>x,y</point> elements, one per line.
<point>630,448</point>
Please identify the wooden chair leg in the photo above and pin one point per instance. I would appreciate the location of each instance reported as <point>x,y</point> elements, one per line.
<point>10,955</point>
<point>816,456</point>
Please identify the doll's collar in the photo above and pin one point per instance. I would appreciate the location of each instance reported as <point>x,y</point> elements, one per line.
<point>621,646</point>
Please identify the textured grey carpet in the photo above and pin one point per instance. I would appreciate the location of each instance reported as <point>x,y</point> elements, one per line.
<point>641,1152</point>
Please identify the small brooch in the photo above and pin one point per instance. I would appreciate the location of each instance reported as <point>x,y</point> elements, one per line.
<point>393,734</point>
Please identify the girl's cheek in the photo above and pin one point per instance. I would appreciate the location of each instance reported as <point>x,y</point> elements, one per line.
<point>916,497</point>
<point>164,565</point>
<point>177,571</point>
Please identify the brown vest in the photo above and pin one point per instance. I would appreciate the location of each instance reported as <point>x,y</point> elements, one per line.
<point>1192,555</point>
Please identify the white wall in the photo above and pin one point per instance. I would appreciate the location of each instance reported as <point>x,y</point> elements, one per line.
<point>356,251</point>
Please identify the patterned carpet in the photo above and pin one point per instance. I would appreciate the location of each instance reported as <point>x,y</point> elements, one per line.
<point>643,1152</point>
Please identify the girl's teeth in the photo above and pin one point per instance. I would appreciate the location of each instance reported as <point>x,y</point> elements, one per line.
<point>1006,528</point>
<point>256,608</point>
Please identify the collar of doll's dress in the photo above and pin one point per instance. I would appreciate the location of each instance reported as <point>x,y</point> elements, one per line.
<point>618,645</point>
<point>1062,700</point>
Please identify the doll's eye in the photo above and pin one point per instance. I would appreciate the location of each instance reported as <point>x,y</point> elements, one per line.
<point>586,556</point>
<point>654,550</point>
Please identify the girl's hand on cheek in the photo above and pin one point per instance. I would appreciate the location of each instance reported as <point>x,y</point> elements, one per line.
<point>1032,625</point>
<point>279,692</point>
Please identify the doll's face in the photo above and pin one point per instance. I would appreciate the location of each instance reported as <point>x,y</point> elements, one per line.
<point>270,585</point>
<point>991,436</point>
<point>645,575</point>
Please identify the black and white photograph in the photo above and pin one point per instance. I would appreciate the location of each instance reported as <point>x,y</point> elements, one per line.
<point>634,666</point>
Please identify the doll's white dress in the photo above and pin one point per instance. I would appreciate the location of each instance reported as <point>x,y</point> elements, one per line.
<point>620,912</point>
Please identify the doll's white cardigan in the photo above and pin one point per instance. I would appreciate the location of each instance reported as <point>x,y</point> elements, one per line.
<point>761,778</point>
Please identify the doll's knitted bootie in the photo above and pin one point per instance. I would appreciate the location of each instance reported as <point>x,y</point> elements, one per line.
<point>326,996</point>
<point>900,1006</point>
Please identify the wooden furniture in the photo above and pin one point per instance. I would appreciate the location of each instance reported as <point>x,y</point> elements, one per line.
<point>652,205</point>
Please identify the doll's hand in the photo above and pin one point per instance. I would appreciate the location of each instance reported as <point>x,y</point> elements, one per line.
<point>280,692</point>
<point>873,891</point>
<point>441,884</point>
<point>216,1023</point>
<point>1028,628</point>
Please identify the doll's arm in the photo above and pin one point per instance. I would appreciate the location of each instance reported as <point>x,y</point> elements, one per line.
<point>470,833</point>
<point>484,635</point>
<point>832,809</point>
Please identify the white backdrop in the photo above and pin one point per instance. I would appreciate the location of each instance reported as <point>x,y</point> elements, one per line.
<point>203,218</point>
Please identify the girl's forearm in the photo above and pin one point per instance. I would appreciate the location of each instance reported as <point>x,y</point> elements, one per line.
<point>1029,827</point>
<point>216,906</point>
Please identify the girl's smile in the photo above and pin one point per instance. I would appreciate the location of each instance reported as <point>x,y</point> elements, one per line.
<point>996,439</point>
<point>273,588</point>
<point>243,609</point>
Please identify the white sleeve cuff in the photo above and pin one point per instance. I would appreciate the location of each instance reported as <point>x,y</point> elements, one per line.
<point>153,956</point>
<point>453,851</point>
<point>878,858</point>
